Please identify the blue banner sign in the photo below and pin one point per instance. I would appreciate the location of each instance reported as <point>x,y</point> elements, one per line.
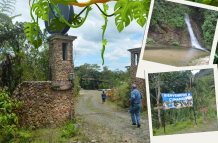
<point>177,100</point>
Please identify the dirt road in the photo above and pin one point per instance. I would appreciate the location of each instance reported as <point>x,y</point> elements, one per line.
<point>105,122</point>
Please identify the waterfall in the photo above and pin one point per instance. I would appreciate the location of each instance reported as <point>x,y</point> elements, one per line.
<point>194,41</point>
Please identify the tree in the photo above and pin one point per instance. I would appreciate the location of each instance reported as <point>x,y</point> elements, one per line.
<point>7,7</point>
<point>155,78</point>
<point>12,39</point>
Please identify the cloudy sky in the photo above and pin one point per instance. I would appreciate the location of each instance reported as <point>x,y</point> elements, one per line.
<point>89,37</point>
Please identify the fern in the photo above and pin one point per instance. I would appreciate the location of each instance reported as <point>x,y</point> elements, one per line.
<point>41,9</point>
<point>4,18</point>
<point>7,6</point>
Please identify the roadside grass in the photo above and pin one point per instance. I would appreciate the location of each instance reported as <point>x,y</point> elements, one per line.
<point>47,135</point>
<point>185,127</point>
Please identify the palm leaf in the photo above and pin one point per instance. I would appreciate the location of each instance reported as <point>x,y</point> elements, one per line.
<point>41,9</point>
<point>124,14</point>
<point>12,17</point>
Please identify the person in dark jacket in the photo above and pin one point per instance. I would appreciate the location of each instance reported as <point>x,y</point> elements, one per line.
<point>103,95</point>
<point>135,105</point>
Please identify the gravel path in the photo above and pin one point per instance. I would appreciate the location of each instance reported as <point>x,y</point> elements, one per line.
<point>105,123</point>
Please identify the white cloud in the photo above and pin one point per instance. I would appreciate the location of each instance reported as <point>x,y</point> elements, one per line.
<point>89,35</point>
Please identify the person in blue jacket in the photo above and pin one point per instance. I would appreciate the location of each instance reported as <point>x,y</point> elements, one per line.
<point>135,105</point>
<point>103,95</point>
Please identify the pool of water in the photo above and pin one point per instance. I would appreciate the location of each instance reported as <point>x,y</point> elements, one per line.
<point>172,55</point>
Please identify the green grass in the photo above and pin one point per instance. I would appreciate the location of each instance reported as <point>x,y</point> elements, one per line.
<point>185,126</point>
<point>46,135</point>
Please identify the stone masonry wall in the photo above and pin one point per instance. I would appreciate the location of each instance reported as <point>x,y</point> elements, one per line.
<point>140,83</point>
<point>43,106</point>
<point>60,69</point>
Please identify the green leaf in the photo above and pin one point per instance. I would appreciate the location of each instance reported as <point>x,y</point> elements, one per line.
<point>124,14</point>
<point>76,21</point>
<point>56,25</point>
<point>41,9</point>
<point>64,2</point>
<point>30,29</point>
<point>104,42</point>
<point>140,13</point>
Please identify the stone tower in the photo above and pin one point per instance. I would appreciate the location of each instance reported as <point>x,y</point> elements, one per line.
<point>140,83</point>
<point>60,57</point>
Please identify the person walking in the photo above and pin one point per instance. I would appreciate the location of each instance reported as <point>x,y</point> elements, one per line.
<point>103,95</point>
<point>135,105</point>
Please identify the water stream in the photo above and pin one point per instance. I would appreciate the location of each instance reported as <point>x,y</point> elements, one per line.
<point>176,55</point>
<point>194,41</point>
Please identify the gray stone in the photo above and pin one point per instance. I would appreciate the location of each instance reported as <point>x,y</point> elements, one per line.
<point>76,126</point>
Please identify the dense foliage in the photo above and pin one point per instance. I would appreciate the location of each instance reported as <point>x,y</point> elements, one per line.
<point>110,78</point>
<point>124,11</point>
<point>8,120</point>
<point>203,91</point>
<point>216,55</point>
<point>168,14</point>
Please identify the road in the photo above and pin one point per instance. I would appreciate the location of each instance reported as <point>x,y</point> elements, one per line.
<point>105,122</point>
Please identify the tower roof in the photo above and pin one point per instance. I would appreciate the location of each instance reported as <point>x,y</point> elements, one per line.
<point>61,36</point>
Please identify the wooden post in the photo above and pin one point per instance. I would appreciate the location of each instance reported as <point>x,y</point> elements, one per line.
<point>194,115</point>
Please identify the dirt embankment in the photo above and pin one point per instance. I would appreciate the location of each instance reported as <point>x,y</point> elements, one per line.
<point>166,35</point>
<point>105,122</point>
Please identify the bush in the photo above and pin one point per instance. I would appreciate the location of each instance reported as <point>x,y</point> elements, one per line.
<point>68,130</point>
<point>150,41</point>
<point>103,86</point>
<point>8,120</point>
<point>176,43</point>
<point>77,87</point>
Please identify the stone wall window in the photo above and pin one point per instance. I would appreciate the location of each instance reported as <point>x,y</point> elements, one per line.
<point>52,51</point>
<point>64,49</point>
<point>136,58</point>
<point>50,78</point>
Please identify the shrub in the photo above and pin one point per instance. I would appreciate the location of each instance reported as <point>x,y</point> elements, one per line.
<point>150,40</point>
<point>176,43</point>
<point>8,120</point>
<point>103,86</point>
<point>68,130</point>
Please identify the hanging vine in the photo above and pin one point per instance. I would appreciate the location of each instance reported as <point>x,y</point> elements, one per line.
<point>124,11</point>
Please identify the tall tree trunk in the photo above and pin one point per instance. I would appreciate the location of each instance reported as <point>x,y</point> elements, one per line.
<point>158,98</point>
